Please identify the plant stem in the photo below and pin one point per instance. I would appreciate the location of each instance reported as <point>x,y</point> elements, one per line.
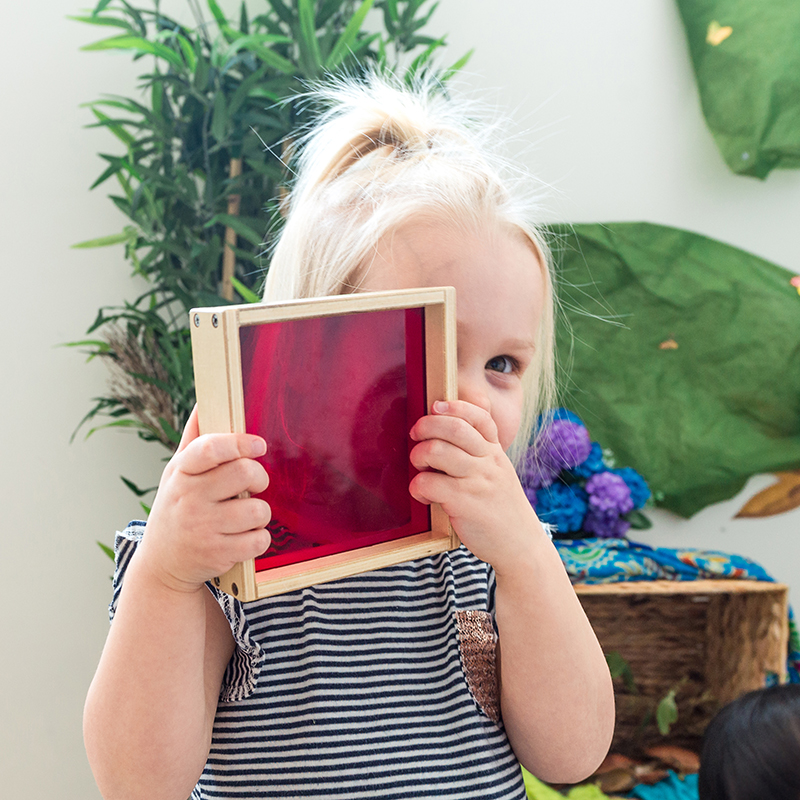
<point>228,254</point>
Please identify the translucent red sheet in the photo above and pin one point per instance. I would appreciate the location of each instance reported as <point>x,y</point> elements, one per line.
<point>335,397</point>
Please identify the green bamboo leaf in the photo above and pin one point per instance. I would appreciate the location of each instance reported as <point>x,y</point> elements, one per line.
<point>221,19</point>
<point>457,66</point>
<point>363,44</point>
<point>137,17</point>
<point>113,168</point>
<point>138,44</point>
<point>391,9</point>
<point>247,294</point>
<point>282,11</point>
<point>119,423</point>
<point>112,21</point>
<point>326,9</point>
<point>115,127</point>
<point>241,228</point>
<point>258,45</point>
<point>202,71</point>
<point>103,241</point>
<point>135,489</point>
<point>189,54</point>
<point>106,549</point>
<point>158,98</point>
<point>425,19</point>
<point>423,58</point>
<point>308,44</point>
<point>171,433</point>
<point>219,117</point>
<point>243,89</point>
<point>100,6</point>
<point>244,24</point>
<point>100,344</point>
<point>147,508</point>
<point>345,42</point>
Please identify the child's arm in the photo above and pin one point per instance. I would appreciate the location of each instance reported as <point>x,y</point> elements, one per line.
<point>151,705</point>
<point>555,690</point>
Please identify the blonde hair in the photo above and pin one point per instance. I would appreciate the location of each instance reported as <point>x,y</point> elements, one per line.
<point>379,155</point>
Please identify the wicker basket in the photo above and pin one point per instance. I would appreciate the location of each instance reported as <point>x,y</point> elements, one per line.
<point>712,640</point>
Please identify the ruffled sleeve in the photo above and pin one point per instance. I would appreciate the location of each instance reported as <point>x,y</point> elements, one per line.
<point>241,674</point>
<point>125,544</point>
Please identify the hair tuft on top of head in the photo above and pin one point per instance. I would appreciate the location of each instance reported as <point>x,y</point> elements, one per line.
<point>380,153</point>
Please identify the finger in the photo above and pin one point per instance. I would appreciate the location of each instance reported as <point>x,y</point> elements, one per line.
<point>455,430</point>
<point>235,477</point>
<point>212,449</point>
<point>479,418</point>
<point>246,545</point>
<point>190,431</point>
<point>431,487</point>
<point>242,514</point>
<point>441,456</point>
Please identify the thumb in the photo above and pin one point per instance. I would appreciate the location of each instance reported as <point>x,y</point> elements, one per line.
<point>191,431</point>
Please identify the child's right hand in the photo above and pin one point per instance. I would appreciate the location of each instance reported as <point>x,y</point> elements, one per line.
<point>199,527</point>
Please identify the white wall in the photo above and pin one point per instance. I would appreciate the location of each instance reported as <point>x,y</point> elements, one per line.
<point>615,128</point>
<point>608,96</point>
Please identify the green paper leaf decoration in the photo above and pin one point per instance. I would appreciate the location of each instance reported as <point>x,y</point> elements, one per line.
<point>666,712</point>
<point>680,354</point>
<point>746,59</point>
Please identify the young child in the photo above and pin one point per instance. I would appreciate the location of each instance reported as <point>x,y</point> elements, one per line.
<point>751,749</point>
<point>430,679</point>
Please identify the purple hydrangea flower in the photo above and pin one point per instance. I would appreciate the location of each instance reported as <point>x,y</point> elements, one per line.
<point>608,493</point>
<point>530,493</point>
<point>605,524</point>
<point>561,445</point>
<point>537,472</point>
<point>565,444</point>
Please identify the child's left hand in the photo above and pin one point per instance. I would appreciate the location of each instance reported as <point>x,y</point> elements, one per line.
<point>463,468</point>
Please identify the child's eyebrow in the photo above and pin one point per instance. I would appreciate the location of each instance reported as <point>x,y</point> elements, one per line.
<point>520,344</point>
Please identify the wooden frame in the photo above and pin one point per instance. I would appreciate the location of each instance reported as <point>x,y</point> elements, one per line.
<point>229,361</point>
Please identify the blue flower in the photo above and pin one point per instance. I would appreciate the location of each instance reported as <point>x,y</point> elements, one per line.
<point>593,464</point>
<point>640,492</point>
<point>563,413</point>
<point>562,506</point>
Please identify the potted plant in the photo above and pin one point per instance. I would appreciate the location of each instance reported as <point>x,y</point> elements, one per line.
<point>201,168</point>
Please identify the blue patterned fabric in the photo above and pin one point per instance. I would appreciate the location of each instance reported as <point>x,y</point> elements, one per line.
<point>616,560</point>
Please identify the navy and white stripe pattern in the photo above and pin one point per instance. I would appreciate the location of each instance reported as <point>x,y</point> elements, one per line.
<point>355,689</point>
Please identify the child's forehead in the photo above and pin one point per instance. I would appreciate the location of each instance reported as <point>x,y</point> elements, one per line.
<point>427,248</point>
<point>500,288</point>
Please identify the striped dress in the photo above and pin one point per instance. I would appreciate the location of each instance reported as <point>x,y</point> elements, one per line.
<point>377,686</point>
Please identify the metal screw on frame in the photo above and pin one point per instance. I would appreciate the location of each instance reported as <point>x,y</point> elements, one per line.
<point>197,320</point>
<point>215,320</point>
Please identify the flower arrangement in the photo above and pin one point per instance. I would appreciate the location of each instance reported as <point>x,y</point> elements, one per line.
<point>573,484</point>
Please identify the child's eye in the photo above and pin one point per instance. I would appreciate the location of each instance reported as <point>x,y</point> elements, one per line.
<point>504,364</point>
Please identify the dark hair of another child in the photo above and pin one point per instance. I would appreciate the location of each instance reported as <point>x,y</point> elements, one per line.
<point>751,749</point>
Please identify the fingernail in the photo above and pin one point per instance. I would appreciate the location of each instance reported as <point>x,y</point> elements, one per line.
<point>441,406</point>
<point>259,447</point>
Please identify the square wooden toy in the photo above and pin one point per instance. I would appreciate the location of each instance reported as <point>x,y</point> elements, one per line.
<point>333,385</point>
